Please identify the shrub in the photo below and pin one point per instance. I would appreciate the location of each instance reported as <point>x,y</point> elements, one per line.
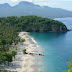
<point>14,53</point>
<point>6,71</point>
<point>70,66</point>
<point>22,40</point>
<point>24,51</point>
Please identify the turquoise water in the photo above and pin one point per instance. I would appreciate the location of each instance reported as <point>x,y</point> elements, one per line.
<point>57,48</point>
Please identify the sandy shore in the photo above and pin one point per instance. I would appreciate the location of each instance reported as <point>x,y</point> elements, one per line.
<point>27,63</point>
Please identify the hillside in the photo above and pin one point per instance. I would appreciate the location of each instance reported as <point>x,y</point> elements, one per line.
<point>28,8</point>
<point>32,24</point>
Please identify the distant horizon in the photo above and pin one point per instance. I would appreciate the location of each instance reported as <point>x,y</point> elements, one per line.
<point>63,4</point>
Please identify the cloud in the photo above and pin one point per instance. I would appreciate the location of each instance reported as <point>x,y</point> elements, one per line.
<point>35,1</point>
<point>21,0</point>
<point>14,0</point>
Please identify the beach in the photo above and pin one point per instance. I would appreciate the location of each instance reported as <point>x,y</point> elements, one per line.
<point>27,62</point>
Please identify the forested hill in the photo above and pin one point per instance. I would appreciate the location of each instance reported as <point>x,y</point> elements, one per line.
<point>32,24</point>
<point>28,8</point>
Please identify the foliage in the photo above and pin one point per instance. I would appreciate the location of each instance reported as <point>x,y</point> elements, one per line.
<point>41,71</point>
<point>70,66</point>
<point>6,71</point>
<point>7,36</point>
<point>14,53</point>
<point>5,56</point>
<point>32,24</point>
<point>24,51</point>
<point>22,40</point>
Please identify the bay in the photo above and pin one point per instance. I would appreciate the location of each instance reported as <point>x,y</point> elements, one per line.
<point>56,47</point>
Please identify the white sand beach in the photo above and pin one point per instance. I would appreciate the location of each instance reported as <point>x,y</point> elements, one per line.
<point>27,63</point>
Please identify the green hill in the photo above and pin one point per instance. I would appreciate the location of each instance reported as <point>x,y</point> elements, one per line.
<point>33,24</point>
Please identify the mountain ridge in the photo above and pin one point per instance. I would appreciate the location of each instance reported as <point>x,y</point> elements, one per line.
<point>27,8</point>
<point>5,5</point>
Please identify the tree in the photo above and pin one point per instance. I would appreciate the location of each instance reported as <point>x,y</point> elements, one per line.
<point>14,53</point>
<point>70,66</point>
<point>5,57</point>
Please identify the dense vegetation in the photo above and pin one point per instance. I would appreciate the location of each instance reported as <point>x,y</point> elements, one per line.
<point>22,40</point>
<point>32,24</point>
<point>70,66</point>
<point>8,35</point>
<point>6,71</point>
<point>10,26</point>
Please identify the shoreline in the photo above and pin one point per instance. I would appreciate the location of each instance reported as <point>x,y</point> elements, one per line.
<point>29,63</point>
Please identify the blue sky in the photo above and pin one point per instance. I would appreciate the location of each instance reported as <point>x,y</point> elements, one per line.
<point>65,4</point>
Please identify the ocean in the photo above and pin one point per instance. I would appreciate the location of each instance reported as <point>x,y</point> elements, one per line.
<point>56,47</point>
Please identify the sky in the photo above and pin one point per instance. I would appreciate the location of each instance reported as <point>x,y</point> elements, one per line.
<point>65,4</point>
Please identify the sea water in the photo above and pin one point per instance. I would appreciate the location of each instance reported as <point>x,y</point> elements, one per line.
<point>57,48</point>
